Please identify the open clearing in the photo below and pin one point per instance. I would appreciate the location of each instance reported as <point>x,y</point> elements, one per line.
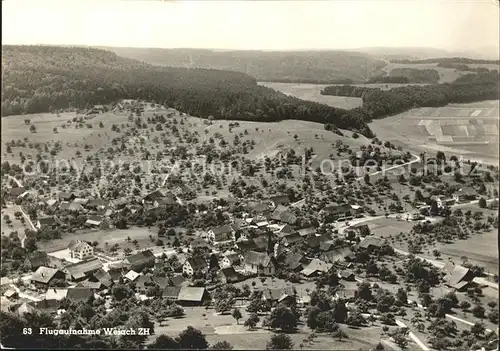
<point>468,130</point>
<point>312,92</point>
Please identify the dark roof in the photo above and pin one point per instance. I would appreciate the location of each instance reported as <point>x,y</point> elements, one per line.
<point>47,220</point>
<point>162,282</point>
<point>66,196</point>
<point>287,229</point>
<point>79,270</point>
<point>247,245</point>
<point>157,194</point>
<point>261,207</point>
<point>293,257</point>
<point>307,231</point>
<point>272,294</point>
<point>338,208</point>
<point>371,241</point>
<point>336,254</point>
<point>229,273</point>
<point>315,241</point>
<point>457,275</point>
<point>276,215</point>
<point>177,280</point>
<point>104,278</point>
<point>171,292</point>
<point>293,238</point>
<point>97,203</point>
<point>79,294</point>
<point>261,242</point>
<point>280,199</point>
<point>326,245</point>
<point>199,242</point>
<point>346,274</point>
<point>44,274</point>
<point>288,217</point>
<point>258,258</point>
<point>141,258</point>
<point>222,229</point>
<point>197,263</point>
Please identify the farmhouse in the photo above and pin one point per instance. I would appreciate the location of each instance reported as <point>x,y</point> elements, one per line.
<point>457,277</point>
<point>228,275</point>
<point>285,230</point>
<point>71,206</point>
<point>80,249</point>
<point>80,271</point>
<point>339,254</point>
<point>102,277</point>
<point>465,194</point>
<point>94,221</point>
<point>79,294</point>
<point>293,261</point>
<point>259,263</point>
<point>279,200</point>
<point>231,260</point>
<point>291,239</point>
<point>339,211</point>
<point>194,264</point>
<point>371,243</point>
<point>192,296</point>
<point>220,234</point>
<point>171,292</point>
<point>46,222</point>
<point>316,267</point>
<point>45,275</point>
<point>307,232</point>
<point>140,260</point>
<point>177,280</point>
<point>347,275</point>
<point>131,275</point>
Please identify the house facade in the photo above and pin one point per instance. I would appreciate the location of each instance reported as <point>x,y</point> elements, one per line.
<point>80,250</point>
<point>221,234</point>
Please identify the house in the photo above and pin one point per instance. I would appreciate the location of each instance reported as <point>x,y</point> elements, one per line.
<point>231,260</point>
<point>338,254</point>
<point>198,243</point>
<point>81,201</point>
<point>131,275</point>
<point>347,275</point>
<point>97,204</point>
<point>194,264</point>
<point>371,242</point>
<point>339,211</point>
<point>279,200</point>
<point>246,245</point>
<point>291,239</point>
<point>56,294</point>
<point>46,222</point>
<point>228,275</point>
<point>143,283</point>
<point>45,275</point>
<point>314,242</point>
<point>79,294</point>
<point>157,195</point>
<point>221,234</point>
<point>316,267</point>
<point>285,230</point>
<point>171,292</point>
<point>261,208</point>
<point>284,215</point>
<point>293,261</point>
<point>71,206</point>
<point>259,263</point>
<point>457,277</point>
<point>37,259</point>
<point>140,260</point>
<point>102,277</point>
<point>119,203</point>
<point>24,309</point>
<point>361,230</point>
<point>177,280</point>
<point>82,270</point>
<point>65,196</point>
<point>465,194</point>
<point>80,249</point>
<point>96,221</point>
<point>307,232</point>
<point>11,294</point>
<point>192,296</point>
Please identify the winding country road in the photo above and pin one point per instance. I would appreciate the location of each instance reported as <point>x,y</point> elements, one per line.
<point>318,193</point>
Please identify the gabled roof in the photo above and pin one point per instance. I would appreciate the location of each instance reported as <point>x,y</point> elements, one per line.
<point>97,203</point>
<point>94,220</point>
<point>307,231</point>
<point>49,220</point>
<point>337,208</point>
<point>222,229</point>
<point>122,201</point>
<point>197,263</point>
<point>316,266</point>
<point>346,274</point>
<point>371,241</point>
<point>79,294</point>
<point>79,270</point>
<point>286,229</point>
<point>336,254</point>
<point>77,245</point>
<point>276,215</point>
<point>132,275</point>
<point>293,238</point>
<point>191,294</point>
<point>292,258</point>
<point>25,308</point>
<point>257,258</point>
<point>280,199</point>
<point>177,280</point>
<point>229,273</point>
<point>103,277</point>
<point>247,245</point>
<point>171,292</point>
<point>272,294</point>
<point>456,275</point>
<point>326,245</point>
<point>51,202</point>
<point>198,242</point>
<point>141,258</point>
<point>44,274</point>
<point>233,258</point>
<point>56,294</point>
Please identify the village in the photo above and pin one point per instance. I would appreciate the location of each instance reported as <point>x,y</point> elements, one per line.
<point>326,260</point>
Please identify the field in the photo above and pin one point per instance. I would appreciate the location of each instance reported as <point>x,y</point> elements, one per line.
<point>468,130</point>
<point>15,225</point>
<point>312,92</point>
<point>111,236</point>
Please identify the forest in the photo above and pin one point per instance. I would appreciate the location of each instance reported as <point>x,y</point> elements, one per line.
<point>415,75</point>
<point>462,60</point>
<point>379,103</point>
<point>387,79</point>
<point>462,67</point>
<point>318,67</point>
<point>44,78</point>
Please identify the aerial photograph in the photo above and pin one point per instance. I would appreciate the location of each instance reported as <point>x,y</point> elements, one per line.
<point>237,175</point>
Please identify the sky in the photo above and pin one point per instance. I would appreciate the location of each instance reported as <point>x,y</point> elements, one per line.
<point>266,25</point>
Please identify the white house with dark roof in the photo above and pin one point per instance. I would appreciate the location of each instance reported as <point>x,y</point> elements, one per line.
<point>80,250</point>
<point>259,263</point>
<point>221,234</point>
<point>194,264</point>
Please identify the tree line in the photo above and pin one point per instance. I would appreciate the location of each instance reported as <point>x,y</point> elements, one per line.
<point>448,60</point>
<point>462,67</point>
<point>43,79</point>
<point>378,103</point>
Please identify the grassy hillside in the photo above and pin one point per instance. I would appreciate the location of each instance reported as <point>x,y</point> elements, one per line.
<point>326,67</point>
<point>42,78</point>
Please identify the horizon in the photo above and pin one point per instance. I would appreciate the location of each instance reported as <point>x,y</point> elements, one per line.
<point>265,26</point>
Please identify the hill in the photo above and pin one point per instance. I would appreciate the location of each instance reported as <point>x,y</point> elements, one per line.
<point>45,78</point>
<point>326,67</point>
